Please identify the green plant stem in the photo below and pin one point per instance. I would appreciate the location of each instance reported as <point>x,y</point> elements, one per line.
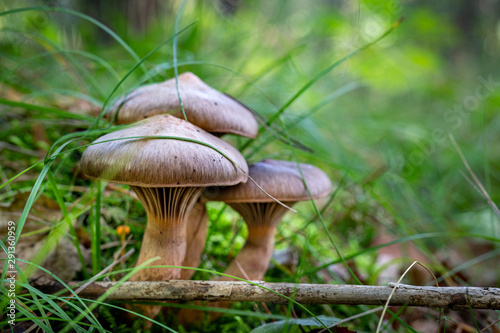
<point>64,210</point>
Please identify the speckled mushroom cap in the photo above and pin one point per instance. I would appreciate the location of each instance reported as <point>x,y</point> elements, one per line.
<point>205,107</point>
<point>281,179</point>
<point>164,162</point>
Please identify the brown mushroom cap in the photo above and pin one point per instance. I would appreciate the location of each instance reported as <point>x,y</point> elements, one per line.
<point>164,162</point>
<point>281,179</point>
<point>205,107</point>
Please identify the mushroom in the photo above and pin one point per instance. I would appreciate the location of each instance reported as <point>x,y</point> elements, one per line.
<point>168,176</point>
<point>283,181</point>
<point>204,106</point>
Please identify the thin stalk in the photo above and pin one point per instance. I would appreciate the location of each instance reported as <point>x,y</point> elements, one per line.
<point>67,218</point>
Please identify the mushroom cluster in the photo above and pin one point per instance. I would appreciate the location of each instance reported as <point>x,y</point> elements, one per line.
<point>169,162</point>
<point>168,176</point>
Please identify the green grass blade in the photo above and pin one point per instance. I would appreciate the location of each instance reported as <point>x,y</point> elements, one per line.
<point>330,98</point>
<point>33,294</point>
<point>177,23</point>
<point>139,63</point>
<point>84,54</point>
<point>48,110</point>
<point>56,308</point>
<point>89,314</point>
<point>95,230</point>
<point>33,194</point>
<point>320,75</point>
<point>65,92</point>
<point>64,210</point>
<point>83,16</point>
<point>323,223</point>
<point>20,174</point>
<point>110,290</point>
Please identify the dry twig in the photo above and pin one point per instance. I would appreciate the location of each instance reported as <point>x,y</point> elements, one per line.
<point>454,298</point>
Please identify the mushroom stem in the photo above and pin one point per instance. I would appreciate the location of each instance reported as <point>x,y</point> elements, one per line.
<point>165,236</point>
<point>253,259</point>
<point>196,229</point>
<point>261,219</point>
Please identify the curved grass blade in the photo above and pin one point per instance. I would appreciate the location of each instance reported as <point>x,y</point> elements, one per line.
<point>139,63</point>
<point>274,131</point>
<point>20,174</point>
<point>45,109</point>
<point>321,74</point>
<point>81,135</point>
<point>43,41</point>
<point>88,55</point>
<point>65,92</point>
<point>76,64</point>
<point>235,312</point>
<point>177,23</point>
<point>33,318</point>
<point>90,316</point>
<point>83,16</point>
<point>330,98</point>
<point>110,290</point>
<point>323,223</point>
<point>55,319</point>
<point>33,294</point>
<point>5,292</point>
<point>64,210</point>
<point>474,261</point>
<point>55,307</point>
<point>33,194</point>
<point>67,302</point>
<point>32,291</point>
<point>128,311</point>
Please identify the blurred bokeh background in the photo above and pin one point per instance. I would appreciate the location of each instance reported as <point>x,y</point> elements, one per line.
<point>380,123</point>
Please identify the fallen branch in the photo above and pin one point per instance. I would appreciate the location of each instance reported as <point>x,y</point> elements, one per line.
<point>454,298</point>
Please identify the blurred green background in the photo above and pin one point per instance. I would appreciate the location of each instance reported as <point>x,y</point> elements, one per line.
<point>378,123</point>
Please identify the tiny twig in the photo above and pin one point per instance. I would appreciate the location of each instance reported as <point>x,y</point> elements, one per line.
<point>245,275</point>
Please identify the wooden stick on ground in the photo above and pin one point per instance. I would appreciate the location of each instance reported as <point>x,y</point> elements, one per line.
<point>455,298</point>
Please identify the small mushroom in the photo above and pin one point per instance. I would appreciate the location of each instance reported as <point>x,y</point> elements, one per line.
<point>168,176</point>
<point>283,181</point>
<point>204,106</point>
